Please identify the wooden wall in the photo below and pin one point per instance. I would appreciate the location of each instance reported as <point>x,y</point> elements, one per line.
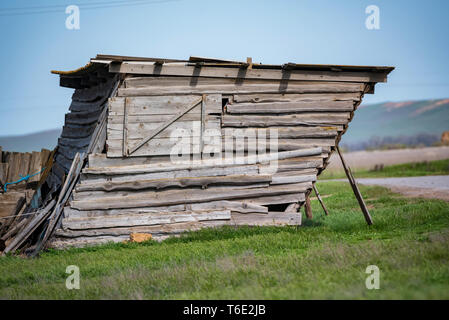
<point>119,195</point>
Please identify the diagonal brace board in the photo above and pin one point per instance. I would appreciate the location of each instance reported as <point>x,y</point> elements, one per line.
<point>165,125</point>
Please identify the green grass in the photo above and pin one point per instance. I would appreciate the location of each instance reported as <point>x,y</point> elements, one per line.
<point>428,168</point>
<point>326,258</point>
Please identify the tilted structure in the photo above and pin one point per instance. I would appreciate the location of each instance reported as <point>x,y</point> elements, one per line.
<point>253,138</point>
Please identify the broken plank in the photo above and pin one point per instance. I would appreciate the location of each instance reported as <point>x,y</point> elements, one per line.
<point>289,107</point>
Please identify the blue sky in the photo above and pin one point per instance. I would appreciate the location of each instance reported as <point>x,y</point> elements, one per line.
<point>413,37</point>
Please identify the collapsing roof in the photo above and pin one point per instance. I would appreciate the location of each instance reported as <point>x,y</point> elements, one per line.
<point>79,78</point>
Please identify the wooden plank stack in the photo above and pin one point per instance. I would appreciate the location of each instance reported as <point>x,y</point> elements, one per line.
<point>254,138</point>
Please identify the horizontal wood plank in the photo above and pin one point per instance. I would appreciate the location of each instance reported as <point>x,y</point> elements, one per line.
<point>305,119</point>
<point>270,97</point>
<point>160,198</point>
<point>269,74</point>
<point>247,87</point>
<point>289,107</point>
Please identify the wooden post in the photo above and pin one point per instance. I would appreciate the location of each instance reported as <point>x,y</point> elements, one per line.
<point>125,150</point>
<point>320,200</point>
<point>203,124</point>
<point>308,207</point>
<point>356,190</point>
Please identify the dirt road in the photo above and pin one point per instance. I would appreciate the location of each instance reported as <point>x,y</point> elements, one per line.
<point>434,187</point>
<point>368,159</point>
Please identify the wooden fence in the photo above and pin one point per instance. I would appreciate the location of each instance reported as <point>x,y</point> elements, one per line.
<point>13,167</point>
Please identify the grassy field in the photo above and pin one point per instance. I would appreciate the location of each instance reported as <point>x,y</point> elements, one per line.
<point>326,258</point>
<point>439,167</point>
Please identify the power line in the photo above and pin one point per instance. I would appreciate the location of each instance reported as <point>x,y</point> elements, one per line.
<point>85,6</point>
<point>56,6</point>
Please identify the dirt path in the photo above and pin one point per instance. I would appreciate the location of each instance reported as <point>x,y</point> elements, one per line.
<point>368,159</point>
<point>434,187</point>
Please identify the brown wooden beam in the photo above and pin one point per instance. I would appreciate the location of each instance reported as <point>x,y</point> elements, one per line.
<point>320,200</point>
<point>355,188</point>
<point>308,207</point>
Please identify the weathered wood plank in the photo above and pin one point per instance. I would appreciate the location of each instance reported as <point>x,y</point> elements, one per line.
<point>282,144</point>
<point>279,199</point>
<point>140,130</point>
<point>269,74</point>
<point>132,220</point>
<point>98,195</point>
<point>101,160</point>
<point>164,105</point>
<point>286,132</point>
<point>282,179</point>
<point>234,206</point>
<point>75,142</point>
<point>202,164</point>
<point>305,119</point>
<point>14,166</point>
<point>289,107</point>
<point>269,97</point>
<point>247,87</point>
<point>35,166</point>
<point>270,219</point>
<point>45,154</point>
<point>78,106</point>
<point>76,132</point>
<point>160,146</point>
<point>25,164</point>
<point>159,118</point>
<point>176,182</point>
<point>67,237</point>
<point>172,197</point>
<point>213,171</point>
<point>98,139</point>
<point>82,118</point>
<point>94,93</point>
<point>29,228</point>
<point>3,172</point>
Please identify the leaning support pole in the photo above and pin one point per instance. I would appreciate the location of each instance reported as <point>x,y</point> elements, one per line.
<point>308,207</point>
<point>320,200</point>
<point>356,190</point>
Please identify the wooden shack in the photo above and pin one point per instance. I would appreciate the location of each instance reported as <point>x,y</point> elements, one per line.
<point>175,145</point>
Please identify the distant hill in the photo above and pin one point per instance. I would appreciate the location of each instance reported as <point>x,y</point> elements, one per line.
<point>407,122</point>
<point>31,142</point>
